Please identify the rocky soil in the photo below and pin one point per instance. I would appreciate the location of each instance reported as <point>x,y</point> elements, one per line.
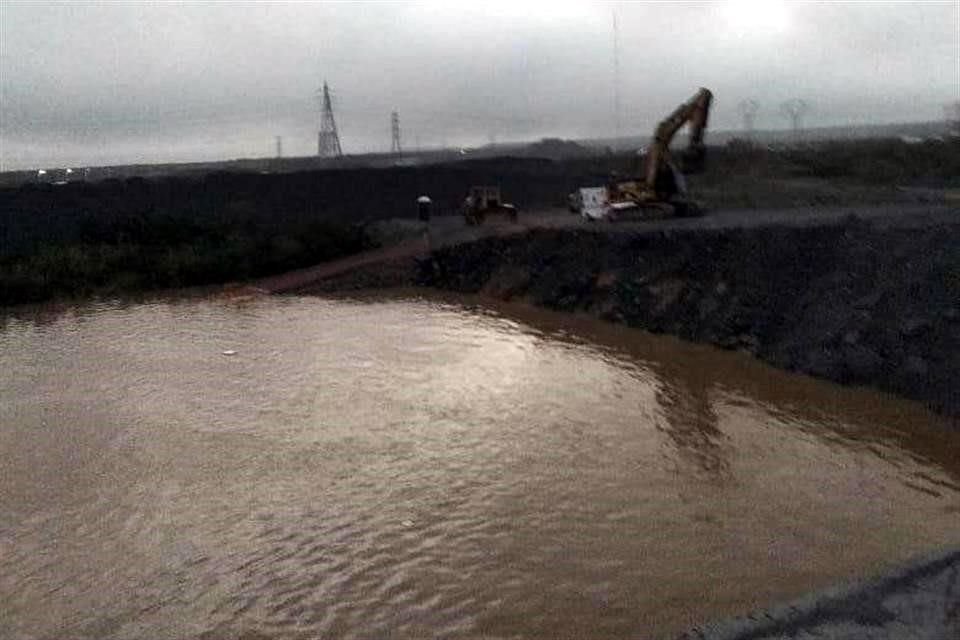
<point>852,303</point>
<point>920,601</point>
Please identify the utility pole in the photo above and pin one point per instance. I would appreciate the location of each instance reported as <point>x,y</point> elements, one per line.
<point>395,133</point>
<point>328,140</point>
<point>279,146</point>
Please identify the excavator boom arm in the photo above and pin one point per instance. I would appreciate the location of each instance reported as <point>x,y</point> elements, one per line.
<point>695,111</point>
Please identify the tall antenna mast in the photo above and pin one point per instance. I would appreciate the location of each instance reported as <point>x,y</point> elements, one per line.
<point>328,140</point>
<point>616,76</point>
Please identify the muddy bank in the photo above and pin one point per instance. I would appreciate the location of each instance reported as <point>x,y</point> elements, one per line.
<point>856,303</point>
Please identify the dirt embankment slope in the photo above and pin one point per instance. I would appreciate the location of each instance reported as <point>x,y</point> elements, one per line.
<point>917,600</point>
<point>857,302</point>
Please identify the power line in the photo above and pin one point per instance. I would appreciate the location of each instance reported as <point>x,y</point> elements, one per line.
<point>186,115</point>
<point>616,75</point>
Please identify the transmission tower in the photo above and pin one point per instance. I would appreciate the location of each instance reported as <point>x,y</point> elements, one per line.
<point>328,141</point>
<point>279,146</point>
<point>395,133</point>
<point>748,110</point>
<point>795,109</point>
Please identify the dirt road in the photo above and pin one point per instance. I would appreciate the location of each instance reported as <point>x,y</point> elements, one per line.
<point>451,230</point>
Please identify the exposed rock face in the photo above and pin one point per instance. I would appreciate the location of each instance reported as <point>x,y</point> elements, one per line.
<point>851,303</point>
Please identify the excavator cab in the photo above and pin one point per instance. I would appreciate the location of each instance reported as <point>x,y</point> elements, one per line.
<point>668,183</point>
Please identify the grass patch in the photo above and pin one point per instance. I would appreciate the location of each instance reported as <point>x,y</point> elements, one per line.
<point>81,250</point>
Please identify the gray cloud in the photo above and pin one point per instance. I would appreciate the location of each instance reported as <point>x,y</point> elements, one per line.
<point>122,82</point>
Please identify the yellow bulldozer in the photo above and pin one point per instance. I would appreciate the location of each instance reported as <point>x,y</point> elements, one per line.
<point>484,201</point>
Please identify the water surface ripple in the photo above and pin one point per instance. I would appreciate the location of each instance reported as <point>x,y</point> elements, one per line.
<point>408,467</point>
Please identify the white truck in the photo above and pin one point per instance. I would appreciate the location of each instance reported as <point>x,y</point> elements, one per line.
<point>590,202</point>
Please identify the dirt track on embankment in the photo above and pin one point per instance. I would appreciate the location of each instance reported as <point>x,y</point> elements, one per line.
<point>449,230</point>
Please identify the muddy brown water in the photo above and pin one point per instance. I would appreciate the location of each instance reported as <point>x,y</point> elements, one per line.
<point>408,466</point>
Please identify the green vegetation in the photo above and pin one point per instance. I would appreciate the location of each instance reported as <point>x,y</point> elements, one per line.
<point>881,161</point>
<point>828,173</point>
<point>871,161</point>
<point>84,252</point>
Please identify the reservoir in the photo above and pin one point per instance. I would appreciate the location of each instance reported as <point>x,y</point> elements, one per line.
<point>414,465</point>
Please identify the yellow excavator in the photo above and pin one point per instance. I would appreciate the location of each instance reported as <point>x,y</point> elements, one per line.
<point>660,188</point>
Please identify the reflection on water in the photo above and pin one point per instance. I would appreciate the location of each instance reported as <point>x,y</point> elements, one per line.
<point>430,468</point>
<point>690,421</point>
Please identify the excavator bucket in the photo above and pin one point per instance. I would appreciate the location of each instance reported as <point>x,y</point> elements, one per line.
<point>693,159</point>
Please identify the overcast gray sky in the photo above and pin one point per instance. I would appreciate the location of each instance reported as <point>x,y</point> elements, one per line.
<point>119,82</point>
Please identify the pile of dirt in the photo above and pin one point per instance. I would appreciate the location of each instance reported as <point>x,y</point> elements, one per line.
<point>35,215</point>
<point>556,149</point>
